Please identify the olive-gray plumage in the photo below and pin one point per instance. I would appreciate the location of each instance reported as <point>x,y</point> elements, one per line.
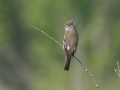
<point>70,42</point>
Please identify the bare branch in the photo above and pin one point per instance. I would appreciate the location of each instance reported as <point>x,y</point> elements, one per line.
<point>117,71</point>
<point>47,35</point>
<point>91,76</point>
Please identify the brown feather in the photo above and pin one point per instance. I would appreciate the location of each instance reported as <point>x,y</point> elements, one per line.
<point>67,63</point>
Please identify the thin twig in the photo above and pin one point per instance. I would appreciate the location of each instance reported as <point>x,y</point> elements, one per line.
<point>91,76</point>
<point>97,86</point>
<point>47,35</point>
<point>117,71</point>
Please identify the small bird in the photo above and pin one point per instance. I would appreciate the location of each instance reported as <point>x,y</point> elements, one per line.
<point>70,42</point>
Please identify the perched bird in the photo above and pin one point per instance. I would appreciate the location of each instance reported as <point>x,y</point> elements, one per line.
<point>70,42</point>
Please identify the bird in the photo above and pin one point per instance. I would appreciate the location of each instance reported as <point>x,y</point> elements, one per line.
<point>70,42</point>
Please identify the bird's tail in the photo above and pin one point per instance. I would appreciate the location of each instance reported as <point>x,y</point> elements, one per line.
<point>67,63</point>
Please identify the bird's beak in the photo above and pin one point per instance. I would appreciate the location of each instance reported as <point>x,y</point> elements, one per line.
<point>63,26</point>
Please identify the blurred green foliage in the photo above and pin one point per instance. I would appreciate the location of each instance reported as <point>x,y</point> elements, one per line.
<point>31,61</point>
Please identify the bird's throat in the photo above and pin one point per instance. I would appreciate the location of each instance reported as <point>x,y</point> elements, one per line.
<point>68,28</point>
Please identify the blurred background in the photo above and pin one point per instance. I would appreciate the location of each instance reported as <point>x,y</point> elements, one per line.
<point>31,61</point>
